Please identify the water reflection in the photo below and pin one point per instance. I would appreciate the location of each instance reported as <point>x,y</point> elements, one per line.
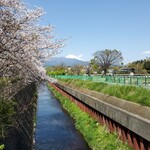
<point>55,130</point>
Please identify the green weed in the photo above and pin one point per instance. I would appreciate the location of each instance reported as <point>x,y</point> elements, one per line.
<point>98,137</point>
<point>131,93</point>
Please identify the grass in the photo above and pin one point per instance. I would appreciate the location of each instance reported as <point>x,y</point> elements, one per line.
<point>2,147</point>
<point>98,137</point>
<point>131,93</point>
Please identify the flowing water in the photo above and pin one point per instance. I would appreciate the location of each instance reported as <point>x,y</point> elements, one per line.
<point>55,129</point>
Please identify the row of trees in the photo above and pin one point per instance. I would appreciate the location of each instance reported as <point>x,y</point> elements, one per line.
<point>63,70</point>
<point>103,61</point>
<point>140,66</point>
<point>24,44</point>
<point>112,59</point>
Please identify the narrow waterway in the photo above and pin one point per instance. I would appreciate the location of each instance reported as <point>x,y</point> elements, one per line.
<point>55,129</point>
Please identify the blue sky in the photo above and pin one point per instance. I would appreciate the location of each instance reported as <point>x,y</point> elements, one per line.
<point>100,24</point>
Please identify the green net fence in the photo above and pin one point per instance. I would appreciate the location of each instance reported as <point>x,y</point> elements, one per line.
<point>119,79</point>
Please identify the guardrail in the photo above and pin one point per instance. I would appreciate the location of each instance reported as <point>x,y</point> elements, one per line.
<point>131,127</point>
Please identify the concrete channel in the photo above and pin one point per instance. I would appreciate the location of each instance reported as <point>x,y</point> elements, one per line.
<point>130,121</point>
<point>55,130</point>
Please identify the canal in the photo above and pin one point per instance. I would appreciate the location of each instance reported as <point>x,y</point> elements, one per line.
<point>55,129</point>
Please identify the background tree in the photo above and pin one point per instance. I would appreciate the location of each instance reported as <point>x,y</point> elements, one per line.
<point>138,66</point>
<point>146,64</point>
<point>77,69</point>
<point>56,70</point>
<point>115,69</point>
<point>106,58</point>
<point>88,70</point>
<point>94,66</point>
<point>60,69</point>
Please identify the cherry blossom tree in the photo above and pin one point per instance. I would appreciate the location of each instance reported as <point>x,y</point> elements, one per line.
<point>24,45</point>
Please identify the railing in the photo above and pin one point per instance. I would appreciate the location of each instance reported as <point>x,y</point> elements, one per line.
<point>119,79</point>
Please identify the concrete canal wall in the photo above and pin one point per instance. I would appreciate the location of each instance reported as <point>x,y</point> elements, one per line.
<point>131,121</point>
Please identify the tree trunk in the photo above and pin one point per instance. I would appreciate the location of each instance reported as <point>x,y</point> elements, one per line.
<point>105,71</point>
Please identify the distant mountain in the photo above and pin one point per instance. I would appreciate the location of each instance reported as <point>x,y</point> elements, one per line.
<point>54,61</point>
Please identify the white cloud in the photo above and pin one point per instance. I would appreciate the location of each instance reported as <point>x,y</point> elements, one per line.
<point>146,52</point>
<point>75,56</point>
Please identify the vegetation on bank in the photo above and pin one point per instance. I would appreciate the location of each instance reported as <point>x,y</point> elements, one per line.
<point>35,108</point>
<point>7,112</point>
<point>98,137</point>
<point>63,70</point>
<point>2,147</point>
<point>135,94</point>
<point>140,66</point>
<point>9,109</point>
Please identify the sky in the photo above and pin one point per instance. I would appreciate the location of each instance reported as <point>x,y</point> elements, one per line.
<point>92,25</point>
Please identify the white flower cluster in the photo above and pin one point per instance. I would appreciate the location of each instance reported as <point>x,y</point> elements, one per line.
<point>24,44</point>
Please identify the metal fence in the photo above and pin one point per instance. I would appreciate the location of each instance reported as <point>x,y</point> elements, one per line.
<point>134,80</point>
<point>119,79</point>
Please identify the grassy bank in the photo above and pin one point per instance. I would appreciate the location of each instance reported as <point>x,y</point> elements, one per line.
<point>135,94</point>
<point>98,137</point>
<point>2,147</point>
